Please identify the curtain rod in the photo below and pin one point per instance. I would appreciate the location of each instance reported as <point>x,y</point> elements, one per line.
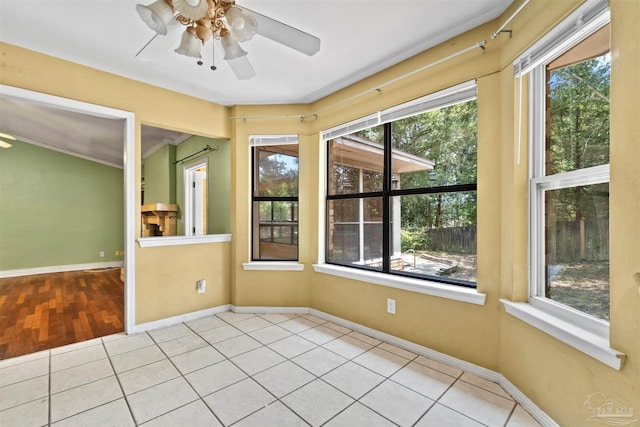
<point>206,148</point>
<point>377,88</point>
<point>501,29</point>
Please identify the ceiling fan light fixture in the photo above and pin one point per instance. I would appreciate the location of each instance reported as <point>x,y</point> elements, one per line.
<point>157,15</point>
<point>231,47</point>
<point>192,9</point>
<point>189,45</point>
<point>241,26</point>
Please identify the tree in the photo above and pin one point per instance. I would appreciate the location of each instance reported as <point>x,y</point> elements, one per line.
<point>578,133</point>
<point>446,136</point>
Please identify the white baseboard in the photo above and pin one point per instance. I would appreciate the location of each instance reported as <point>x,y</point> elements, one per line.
<point>270,310</point>
<point>412,347</point>
<point>169,321</point>
<point>488,374</point>
<point>526,403</point>
<point>59,269</point>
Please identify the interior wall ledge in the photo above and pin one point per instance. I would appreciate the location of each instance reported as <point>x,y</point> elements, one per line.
<point>273,266</point>
<point>150,242</point>
<point>581,339</point>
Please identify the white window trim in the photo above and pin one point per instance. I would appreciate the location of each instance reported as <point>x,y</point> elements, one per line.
<point>537,188</point>
<point>272,266</point>
<point>457,94</point>
<point>573,327</point>
<point>593,344</point>
<point>422,286</point>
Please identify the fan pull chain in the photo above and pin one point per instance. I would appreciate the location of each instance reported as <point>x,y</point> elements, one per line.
<point>213,56</point>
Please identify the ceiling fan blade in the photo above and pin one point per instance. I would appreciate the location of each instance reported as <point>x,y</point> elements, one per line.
<point>285,34</point>
<point>159,44</point>
<point>241,67</point>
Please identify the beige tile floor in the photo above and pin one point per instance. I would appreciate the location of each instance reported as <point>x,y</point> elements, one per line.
<point>247,370</point>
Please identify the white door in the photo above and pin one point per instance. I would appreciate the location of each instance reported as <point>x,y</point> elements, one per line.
<point>195,199</point>
<point>199,202</point>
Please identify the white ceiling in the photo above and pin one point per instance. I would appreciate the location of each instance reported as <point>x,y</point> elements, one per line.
<point>358,39</point>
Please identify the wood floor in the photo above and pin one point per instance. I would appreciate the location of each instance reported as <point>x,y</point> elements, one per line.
<point>44,311</point>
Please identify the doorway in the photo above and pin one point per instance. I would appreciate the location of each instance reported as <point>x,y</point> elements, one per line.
<point>195,195</point>
<point>127,124</point>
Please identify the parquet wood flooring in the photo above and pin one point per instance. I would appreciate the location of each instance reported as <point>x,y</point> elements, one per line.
<point>44,311</point>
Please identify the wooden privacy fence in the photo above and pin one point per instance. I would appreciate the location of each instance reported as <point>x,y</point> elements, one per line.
<point>566,240</point>
<point>454,239</point>
<point>586,240</point>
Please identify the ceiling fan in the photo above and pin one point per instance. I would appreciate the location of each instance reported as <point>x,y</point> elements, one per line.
<point>216,19</point>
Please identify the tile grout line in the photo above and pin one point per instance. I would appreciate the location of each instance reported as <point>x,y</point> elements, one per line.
<point>124,395</point>
<point>91,382</point>
<point>510,415</point>
<point>286,359</point>
<point>187,381</point>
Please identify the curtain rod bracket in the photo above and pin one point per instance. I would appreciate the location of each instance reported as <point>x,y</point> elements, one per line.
<point>502,31</point>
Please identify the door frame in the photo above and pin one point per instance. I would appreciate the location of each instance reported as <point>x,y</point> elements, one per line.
<point>129,177</point>
<point>189,170</point>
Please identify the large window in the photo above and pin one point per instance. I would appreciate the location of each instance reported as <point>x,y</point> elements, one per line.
<point>275,199</point>
<point>569,183</point>
<point>401,195</point>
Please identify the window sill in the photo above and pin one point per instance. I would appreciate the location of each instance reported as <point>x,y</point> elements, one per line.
<point>457,293</point>
<point>150,242</point>
<point>588,342</point>
<point>273,265</point>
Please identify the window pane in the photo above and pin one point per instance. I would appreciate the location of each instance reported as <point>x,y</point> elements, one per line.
<point>277,173</point>
<point>344,180</point>
<point>435,148</point>
<point>577,248</point>
<point>351,240</point>
<point>283,211</point>
<point>435,235</point>
<point>578,115</point>
<point>356,162</point>
<point>372,209</point>
<point>342,211</point>
<point>372,181</point>
<point>277,230</point>
<point>344,243</point>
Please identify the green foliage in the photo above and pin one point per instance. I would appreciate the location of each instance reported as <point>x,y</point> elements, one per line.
<point>277,174</point>
<point>447,137</point>
<point>578,134</point>
<point>414,238</point>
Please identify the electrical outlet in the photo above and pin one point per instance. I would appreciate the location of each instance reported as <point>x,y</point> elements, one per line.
<point>201,286</point>
<point>101,254</point>
<point>117,253</point>
<point>391,306</point>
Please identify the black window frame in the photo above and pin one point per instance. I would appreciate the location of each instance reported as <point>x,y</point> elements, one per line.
<point>256,199</point>
<point>387,194</point>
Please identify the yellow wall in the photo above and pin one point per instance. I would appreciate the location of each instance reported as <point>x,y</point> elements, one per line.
<point>269,288</point>
<point>555,376</point>
<point>165,277</point>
